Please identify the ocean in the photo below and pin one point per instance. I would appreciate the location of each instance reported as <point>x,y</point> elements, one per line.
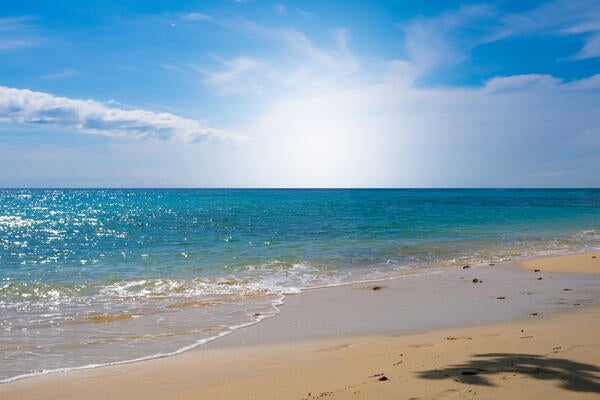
<point>104,276</point>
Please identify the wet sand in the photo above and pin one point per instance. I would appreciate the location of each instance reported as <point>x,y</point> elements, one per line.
<point>434,336</point>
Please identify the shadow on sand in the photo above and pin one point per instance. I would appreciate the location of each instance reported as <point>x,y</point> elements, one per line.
<point>575,376</point>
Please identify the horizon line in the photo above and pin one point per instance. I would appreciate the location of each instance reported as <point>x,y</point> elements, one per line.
<point>298,188</point>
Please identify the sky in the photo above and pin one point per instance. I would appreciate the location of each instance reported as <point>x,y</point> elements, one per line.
<point>249,93</point>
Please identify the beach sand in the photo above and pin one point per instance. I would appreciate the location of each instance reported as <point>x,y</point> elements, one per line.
<point>435,336</point>
<point>587,263</point>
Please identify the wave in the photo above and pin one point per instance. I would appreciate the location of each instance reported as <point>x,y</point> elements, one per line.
<point>106,317</point>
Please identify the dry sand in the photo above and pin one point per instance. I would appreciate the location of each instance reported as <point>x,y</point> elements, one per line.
<point>309,351</point>
<point>587,263</point>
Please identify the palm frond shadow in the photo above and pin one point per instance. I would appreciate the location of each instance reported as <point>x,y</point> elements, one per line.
<point>571,375</point>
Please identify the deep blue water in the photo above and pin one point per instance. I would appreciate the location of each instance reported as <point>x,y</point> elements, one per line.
<point>70,257</point>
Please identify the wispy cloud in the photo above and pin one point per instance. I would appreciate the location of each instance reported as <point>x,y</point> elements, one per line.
<point>444,39</point>
<point>281,9</point>
<point>559,17</point>
<point>234,69</point>
<point>520,82</point>
<point>93,117</point>
<point>448,38</point>
<point>337,60</point>
<point>304,13</point>
<point>194,16</point>
<point>591,48</point>
<point>297,62</point>
<point>18,32</point>
<point>555,17</point>
<point>67,73</point>
<point>240,74</point>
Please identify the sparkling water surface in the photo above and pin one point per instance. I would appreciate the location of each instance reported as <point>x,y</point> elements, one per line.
<point>91,277</point>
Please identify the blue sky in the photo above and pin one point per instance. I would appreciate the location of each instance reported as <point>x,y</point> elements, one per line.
<point>296,94</point>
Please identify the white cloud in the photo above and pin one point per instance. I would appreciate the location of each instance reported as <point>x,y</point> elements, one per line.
<point>92,117</point>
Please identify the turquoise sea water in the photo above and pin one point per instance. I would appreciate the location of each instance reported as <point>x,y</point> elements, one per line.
<point>90,277</point>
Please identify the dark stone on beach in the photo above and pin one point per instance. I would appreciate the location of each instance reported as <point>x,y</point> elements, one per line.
<point>566,290</point>
<point>466,267</point>
<point>383,379</point>
<point>377,287</point>
<point>539,279</point>
<point>534,313</point>
<point>475,280</point>
<point>501,297</point>
<point>492,264</point>
<point>536,270</point>
<point>468,373</point>
<point>576,304</point>
<point>593,256</point>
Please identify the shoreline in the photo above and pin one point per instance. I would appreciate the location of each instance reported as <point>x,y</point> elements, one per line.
<point>345,310</point>
<point>411,271</point>
<point>498,298</point>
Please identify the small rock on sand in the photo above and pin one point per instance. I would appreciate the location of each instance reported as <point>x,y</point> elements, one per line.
<point>501,297</point>
<point>536,270</point>
<point>475,280</point>
<point>539,279</point>
<point>466,267</point>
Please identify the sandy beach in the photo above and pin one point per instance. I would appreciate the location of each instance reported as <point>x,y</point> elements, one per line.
<point>497,331</point>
